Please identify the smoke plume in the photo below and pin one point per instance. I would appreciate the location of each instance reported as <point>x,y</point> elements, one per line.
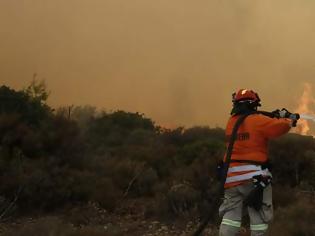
<point>177,61</point>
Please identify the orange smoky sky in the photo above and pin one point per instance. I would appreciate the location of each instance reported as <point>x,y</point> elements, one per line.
<point>177,61</point>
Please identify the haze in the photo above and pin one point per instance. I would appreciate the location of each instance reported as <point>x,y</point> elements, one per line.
<point>177,61</point>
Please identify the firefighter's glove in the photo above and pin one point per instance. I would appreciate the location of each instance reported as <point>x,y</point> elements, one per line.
<point>276,113</point>
<point>255,197</point>
<point>294,123</point>
<point>284,113</point>
<point>294,117</point>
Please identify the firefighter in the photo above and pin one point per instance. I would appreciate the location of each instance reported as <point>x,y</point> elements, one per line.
<point>248,178</point>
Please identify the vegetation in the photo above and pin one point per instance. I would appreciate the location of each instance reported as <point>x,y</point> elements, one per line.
<point>52,159</point>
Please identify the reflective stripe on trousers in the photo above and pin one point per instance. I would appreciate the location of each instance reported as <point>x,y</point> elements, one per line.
<point>232,209</point>
<point>260,227</point>
<point>231,223</point>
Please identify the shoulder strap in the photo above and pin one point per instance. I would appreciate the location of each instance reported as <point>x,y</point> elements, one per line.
<point>230,147</point>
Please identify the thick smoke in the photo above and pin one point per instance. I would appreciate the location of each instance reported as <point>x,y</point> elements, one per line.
<point>177,61</point>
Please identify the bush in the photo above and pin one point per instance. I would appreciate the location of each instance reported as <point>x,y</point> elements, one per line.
<point>60,160</point>
<point>292,159</point>
<point>146,182</point>
<point>183,200</point>
<point>295,220</point>
<point>283,196</point>
<point>106,193</point>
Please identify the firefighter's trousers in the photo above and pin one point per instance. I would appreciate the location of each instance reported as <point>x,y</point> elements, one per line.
<point>232,210</point>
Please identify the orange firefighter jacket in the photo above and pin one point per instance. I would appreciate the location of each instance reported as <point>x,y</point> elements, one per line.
<point>251,145</point>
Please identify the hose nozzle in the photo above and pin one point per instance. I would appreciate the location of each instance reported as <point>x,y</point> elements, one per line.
<point>294,116</point>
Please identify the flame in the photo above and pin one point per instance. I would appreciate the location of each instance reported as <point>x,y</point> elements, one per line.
<point>306,103</point>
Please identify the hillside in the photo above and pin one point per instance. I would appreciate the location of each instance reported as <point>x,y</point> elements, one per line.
<point>76,171</point>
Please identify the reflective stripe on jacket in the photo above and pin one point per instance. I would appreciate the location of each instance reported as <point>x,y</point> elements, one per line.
<point>251,145</point>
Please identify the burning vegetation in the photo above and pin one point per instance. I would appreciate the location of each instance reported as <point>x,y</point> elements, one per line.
<point>306,108</point>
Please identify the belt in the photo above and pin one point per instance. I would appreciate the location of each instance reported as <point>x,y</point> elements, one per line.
<point>247,176</point>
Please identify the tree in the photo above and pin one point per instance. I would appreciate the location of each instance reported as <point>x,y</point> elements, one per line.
<point>21,115</point>
<point>114,129</point>
<point>31,108</point>
<point>37,90</point>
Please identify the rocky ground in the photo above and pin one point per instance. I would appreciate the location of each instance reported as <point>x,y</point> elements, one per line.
<point>91,218</point>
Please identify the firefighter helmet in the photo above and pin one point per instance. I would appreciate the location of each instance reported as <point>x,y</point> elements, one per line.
<point>246,95</point>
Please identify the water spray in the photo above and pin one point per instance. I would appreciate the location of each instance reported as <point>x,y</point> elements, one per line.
<point>307,117</point>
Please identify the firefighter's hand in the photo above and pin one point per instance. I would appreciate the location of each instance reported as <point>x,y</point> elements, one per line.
<point>294,123</point>
<point>294,118</point>
<point>276,113</point>
<point>284,113</point>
